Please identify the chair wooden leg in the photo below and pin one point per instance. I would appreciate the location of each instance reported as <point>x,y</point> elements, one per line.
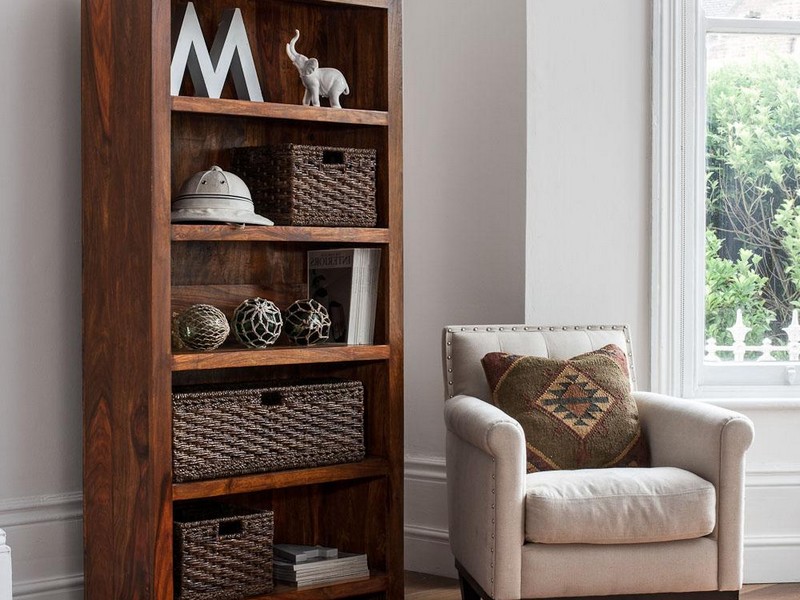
<point>467,591</point>
<point>470,590</point>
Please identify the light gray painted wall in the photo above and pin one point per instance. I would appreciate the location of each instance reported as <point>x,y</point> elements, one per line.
<point>588,246</point>
<point>40,248</point>
<point>587,83</point>
<point>465,138</point>
<point>464,84</point>
<point>40,304</point>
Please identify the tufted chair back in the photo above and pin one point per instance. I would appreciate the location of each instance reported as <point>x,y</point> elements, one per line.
<point>465,345</point>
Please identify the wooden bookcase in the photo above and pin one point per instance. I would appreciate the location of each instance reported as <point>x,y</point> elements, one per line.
<point>138,145</point>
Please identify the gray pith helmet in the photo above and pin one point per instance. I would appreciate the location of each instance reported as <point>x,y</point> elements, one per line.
<point>217,196</point>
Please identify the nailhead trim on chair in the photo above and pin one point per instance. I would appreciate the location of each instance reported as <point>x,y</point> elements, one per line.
<point>494,524</point>
<point>491,328</point>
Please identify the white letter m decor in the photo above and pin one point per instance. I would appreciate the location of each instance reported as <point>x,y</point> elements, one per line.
<point>230,52</point>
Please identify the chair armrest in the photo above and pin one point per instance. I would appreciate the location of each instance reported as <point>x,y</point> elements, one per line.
<point>484,426</point>
<point>711,442</point>
<point>486,493</point>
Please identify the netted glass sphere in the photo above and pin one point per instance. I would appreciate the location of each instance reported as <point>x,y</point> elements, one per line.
<point>257,323</point>
<point>307,323</point>
<point>203,327</point>
<point>177,342</point>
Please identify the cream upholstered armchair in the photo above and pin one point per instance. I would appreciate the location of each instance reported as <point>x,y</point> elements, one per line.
<point>673,530</point>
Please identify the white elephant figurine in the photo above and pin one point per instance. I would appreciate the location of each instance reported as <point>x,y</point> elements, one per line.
<point>319,82</point>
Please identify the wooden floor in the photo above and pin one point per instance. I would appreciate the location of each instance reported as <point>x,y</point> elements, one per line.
<point>430,587</point>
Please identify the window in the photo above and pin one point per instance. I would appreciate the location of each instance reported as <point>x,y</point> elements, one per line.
<point>727,197</point>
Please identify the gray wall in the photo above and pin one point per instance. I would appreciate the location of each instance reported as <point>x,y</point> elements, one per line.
<point>465,136</point>
<point>40,268</point>
<point>583,192</point>
<point>588,244</point>
<point>464,152</point>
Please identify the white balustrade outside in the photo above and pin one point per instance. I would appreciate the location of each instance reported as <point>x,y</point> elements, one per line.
<point>766,350</point>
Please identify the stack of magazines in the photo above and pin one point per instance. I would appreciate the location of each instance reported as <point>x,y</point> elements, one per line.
<point>306,566</point>
<point>345,281</point>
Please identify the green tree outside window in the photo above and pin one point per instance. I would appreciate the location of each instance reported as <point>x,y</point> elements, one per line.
<point>752,188</point>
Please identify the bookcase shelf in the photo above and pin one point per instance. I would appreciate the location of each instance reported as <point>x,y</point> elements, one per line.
<point>274,110</point>
<point>230,358</point>
<point>234,233</point>
<point>370,467</point>
<point>139,269</point>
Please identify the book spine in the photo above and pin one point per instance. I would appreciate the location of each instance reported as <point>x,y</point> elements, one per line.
<point>372,296</point>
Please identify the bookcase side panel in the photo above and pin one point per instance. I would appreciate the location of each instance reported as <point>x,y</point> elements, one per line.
<point>127,479</point>
<point>394,416</point>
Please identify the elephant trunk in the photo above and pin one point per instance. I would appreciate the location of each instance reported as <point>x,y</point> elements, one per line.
<point>290,47</point>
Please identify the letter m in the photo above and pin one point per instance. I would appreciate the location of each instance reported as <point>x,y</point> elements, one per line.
<point>229,53</point>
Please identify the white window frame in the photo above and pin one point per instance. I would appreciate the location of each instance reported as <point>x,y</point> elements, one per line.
<point>678,279</point>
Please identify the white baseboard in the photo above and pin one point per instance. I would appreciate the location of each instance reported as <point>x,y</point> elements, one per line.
<point>772,525</point>
<point>427,544</point>
<point>772,559</point>
<point>427,550</point>
<point>45,534</point>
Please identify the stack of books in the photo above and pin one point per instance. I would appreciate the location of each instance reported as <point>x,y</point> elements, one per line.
<point>306,566</point>
<point>345,281</point>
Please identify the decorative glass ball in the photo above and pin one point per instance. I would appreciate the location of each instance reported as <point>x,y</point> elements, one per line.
<point>257,323</point>
<point>177,342</point>
<point>307,323</point>
<point>203,327</point>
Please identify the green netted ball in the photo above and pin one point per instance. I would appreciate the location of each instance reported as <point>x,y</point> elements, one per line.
<point>307,323</point>
<point>257,323</point>
<point>202,327</point>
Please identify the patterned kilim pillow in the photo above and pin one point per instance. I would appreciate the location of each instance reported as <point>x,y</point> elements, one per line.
<point>576,414</point>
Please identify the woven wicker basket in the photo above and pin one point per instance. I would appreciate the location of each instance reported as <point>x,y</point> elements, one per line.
<point>310,185</point>
<point>222,552</point>
<point>236,431</point>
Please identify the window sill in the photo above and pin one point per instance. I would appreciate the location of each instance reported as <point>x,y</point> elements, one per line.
<point>755,401</point>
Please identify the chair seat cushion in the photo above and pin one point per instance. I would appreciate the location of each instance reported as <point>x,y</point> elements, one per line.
<point>618,506</point>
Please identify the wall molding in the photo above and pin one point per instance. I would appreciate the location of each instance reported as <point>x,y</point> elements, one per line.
<point>427,534</point>
<point>64,586</point>
<point>431,469</point>
<point>30,510</point>
<point>772,541</point>
<point>426,538</point>
<point>61,512</point>
<point>668,137</point>
<point>427,550</point>
<point>772,559</point>
<point>774,477</point>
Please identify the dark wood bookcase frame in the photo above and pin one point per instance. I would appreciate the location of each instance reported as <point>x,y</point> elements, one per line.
<point>138,145</point>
